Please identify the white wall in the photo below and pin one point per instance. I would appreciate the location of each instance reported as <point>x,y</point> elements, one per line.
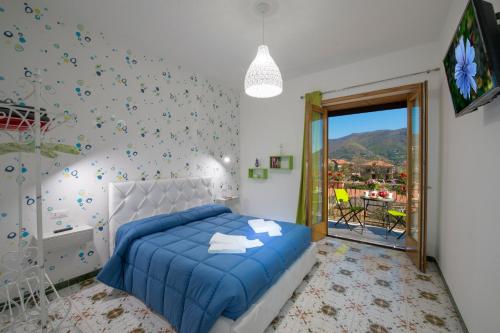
<point>141,118</point>
<point>265,124</point>
<point>464,159</point>
<point>469,252</point>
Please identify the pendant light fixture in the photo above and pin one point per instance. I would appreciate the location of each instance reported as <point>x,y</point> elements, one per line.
<point>263,78</point>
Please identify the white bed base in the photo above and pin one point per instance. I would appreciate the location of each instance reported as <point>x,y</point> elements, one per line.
<point>129,201</point>
<point>262,313</point>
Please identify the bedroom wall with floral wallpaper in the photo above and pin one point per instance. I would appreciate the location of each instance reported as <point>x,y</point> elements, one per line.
<point>135,117</point>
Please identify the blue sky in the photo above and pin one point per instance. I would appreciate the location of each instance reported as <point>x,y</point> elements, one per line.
<point>365,122</point>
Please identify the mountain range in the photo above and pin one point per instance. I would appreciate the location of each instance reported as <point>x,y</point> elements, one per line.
<point>386,145</point>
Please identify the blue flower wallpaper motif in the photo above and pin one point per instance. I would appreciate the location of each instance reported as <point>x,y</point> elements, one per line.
<point>136,117</point>
<point>466,68</point>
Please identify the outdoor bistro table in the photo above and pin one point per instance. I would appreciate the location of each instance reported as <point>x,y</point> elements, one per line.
<point>377,202</point>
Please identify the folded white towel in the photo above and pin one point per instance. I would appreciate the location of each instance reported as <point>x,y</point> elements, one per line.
<point>256,223</point>
<point>273,233</point>
<point>226,248</point>
<point>222,243</point>
<point>223,238</point>
<point>251,243</point>
<point>260,225</point>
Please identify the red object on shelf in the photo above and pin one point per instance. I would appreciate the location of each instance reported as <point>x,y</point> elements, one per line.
<point>18,124</point>
<point>13,118</point>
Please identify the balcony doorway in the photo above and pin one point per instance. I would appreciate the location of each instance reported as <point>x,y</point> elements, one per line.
<point>377,168</point>
<point>367,161</point>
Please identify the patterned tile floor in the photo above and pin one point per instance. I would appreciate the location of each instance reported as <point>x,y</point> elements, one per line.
<point>369,234</point>
<point>353,288</point>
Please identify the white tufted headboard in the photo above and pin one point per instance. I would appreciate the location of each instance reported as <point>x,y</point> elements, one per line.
<point>130,201</point>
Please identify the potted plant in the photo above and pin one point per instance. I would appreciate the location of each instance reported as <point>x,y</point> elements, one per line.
<point>339,178</point>
<point>402,179</point>
<point>372,184</point>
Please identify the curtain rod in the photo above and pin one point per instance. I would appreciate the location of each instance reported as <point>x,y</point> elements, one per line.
<point>428,71</point>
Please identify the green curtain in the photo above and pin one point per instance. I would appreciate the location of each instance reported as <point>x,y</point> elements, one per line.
<point>313,98</point>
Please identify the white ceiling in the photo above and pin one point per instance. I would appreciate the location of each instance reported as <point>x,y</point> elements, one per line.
<point>219,38</point>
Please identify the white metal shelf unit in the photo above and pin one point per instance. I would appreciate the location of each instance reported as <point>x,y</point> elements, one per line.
<point>24,305</point>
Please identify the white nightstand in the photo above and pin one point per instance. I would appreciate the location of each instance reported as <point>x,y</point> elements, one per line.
<point>230,202</point>
<point>79,235</point>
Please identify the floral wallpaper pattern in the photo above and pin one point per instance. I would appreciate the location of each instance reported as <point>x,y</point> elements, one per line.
<point>135,117</point>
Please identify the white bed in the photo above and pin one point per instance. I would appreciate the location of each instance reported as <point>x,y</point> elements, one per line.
<point>129,201</point>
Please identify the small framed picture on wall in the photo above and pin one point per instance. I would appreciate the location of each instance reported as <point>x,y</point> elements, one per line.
<point>275,162</point>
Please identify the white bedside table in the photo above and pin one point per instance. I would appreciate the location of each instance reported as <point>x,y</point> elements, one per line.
<point>230,202</point>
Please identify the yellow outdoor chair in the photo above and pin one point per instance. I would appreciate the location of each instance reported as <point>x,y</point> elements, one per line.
<point>399,217</point>
<point>348,211</point>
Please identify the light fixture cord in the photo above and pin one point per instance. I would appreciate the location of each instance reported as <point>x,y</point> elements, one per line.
<point>263,29</point>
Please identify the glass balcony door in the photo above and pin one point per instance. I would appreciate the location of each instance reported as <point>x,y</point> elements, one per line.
<point>417,154</point>
<point>316,164</point>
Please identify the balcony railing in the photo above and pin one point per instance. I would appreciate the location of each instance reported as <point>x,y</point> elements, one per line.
<point>375,216</point>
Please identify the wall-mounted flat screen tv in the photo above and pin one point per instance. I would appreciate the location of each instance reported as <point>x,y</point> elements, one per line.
<point>472,63</point>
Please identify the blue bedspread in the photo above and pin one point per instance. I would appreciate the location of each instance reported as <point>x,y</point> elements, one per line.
<point>164,261</point>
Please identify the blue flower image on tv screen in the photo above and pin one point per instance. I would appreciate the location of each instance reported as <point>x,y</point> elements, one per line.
<point>466,68</point>
<point>466,63</point>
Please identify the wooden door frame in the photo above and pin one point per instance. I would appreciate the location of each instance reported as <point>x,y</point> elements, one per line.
<point>316,229</point>
<point>342,105</point>
<point>425,157</point>
<point>371,98</point>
